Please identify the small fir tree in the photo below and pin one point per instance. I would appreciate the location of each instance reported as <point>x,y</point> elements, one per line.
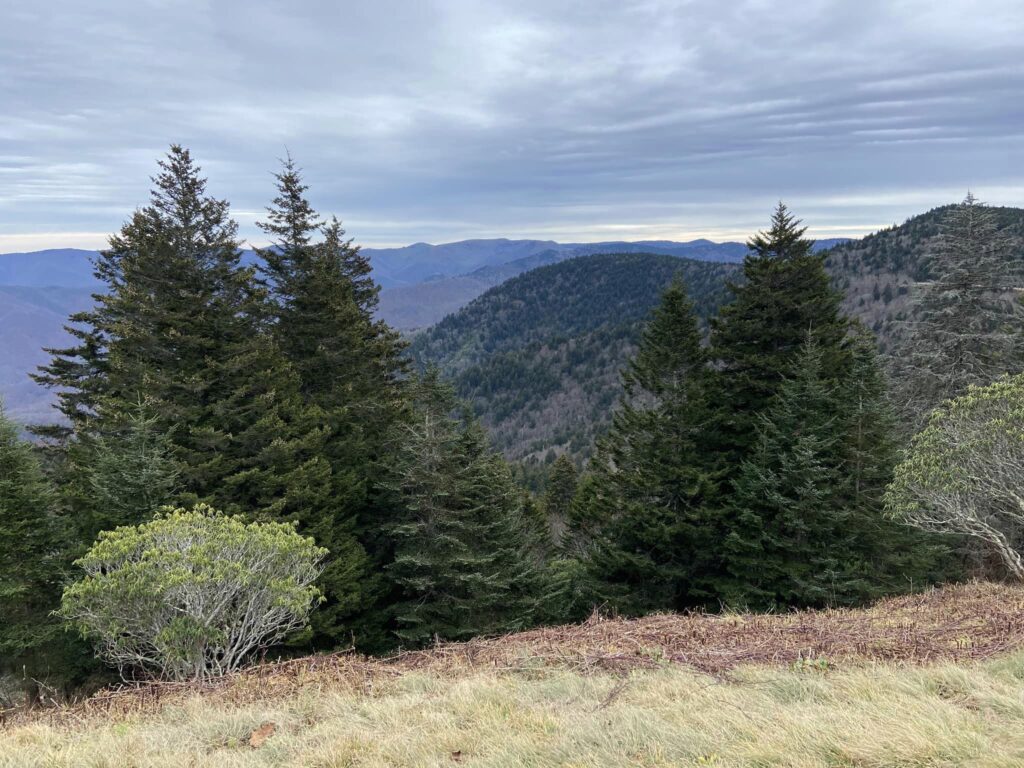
<point>559,492</point>
<point>121,477</point>
<point>462,561</point>
<point>650,476</point>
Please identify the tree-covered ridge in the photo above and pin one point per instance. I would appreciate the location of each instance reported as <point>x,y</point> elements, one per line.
<point>882,274</point>
<point>538,357</point>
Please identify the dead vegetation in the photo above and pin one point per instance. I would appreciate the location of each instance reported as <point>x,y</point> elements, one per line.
<point>961,623</point>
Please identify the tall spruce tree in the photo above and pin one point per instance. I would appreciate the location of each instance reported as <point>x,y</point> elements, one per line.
<point>324,301</point>
<point>756,339</point>
<point>349,367</point>
<point>173,303</point>
<point>462,561</point>
<point>650,475</point>
<point>968,325</point>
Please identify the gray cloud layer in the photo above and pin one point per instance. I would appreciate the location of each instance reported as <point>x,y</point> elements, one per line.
<point>442,119</point>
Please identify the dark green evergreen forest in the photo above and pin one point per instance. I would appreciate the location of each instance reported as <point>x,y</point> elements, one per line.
<point>705,435</point>
<point>538,357</point>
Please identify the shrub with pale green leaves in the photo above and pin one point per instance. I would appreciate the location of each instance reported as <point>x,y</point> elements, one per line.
<point>194,594</point>
<point>964,472</point>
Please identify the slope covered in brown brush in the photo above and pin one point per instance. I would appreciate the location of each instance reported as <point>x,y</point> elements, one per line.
<point>963,623</point>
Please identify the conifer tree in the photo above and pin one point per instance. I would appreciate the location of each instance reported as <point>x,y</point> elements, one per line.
<point>870,426</point>
<point>756,339</point>
<point>896,557</point>
<point>559,494</point>
<point>787,534</point>
<point>324,301</point>
<point>174,302</point>
<point>120,477</point>
<point>33,539</point>
<point>349,367</point>
<point>805,523</point>
<point>969,323</point>
<point>462,559</point>
<point>650,476</point>
<point>183,328</point>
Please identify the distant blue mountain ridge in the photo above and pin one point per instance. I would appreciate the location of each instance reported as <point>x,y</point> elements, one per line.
<point>409,265</point>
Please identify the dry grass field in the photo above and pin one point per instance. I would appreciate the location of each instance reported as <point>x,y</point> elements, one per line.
<point>928,680</point>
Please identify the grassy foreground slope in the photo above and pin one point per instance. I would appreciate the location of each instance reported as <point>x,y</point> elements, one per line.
<point>932,680</point>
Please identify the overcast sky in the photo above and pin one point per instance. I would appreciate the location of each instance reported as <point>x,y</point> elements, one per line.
<point>438,120</point>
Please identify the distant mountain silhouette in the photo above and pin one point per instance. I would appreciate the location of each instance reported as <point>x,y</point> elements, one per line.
<point>31,318</point>
<point>67,267</point>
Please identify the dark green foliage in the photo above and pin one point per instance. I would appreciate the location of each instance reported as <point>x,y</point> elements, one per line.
<point>539,356</point>
<point>804,441</point>
<point>464,547</point>
<point>805,523</point>
<point>171,313</point>
<point>902,557</point>
<point>32,542</point>
<point>786,535</point>
<point>750,473</point>
<point>647,495</point>
<point>121,477</point>
<point>755,340</point>
<point>559,492</point>
<point>349,371</point>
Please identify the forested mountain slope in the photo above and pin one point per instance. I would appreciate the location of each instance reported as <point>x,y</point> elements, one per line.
<point>538,357</point>
<point>412,307</point>
<point>881,274</point>
<point>421,284</point>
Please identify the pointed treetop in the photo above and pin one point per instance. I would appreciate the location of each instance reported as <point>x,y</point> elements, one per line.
<point>784,239</point>
<point>193,221</point>
<point>292,221</point>
<point>670,349</point>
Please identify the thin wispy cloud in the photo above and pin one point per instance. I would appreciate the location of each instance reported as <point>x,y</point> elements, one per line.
<point>450,119</point>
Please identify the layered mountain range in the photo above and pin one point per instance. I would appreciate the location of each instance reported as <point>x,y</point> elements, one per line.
<point>532,332</point>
